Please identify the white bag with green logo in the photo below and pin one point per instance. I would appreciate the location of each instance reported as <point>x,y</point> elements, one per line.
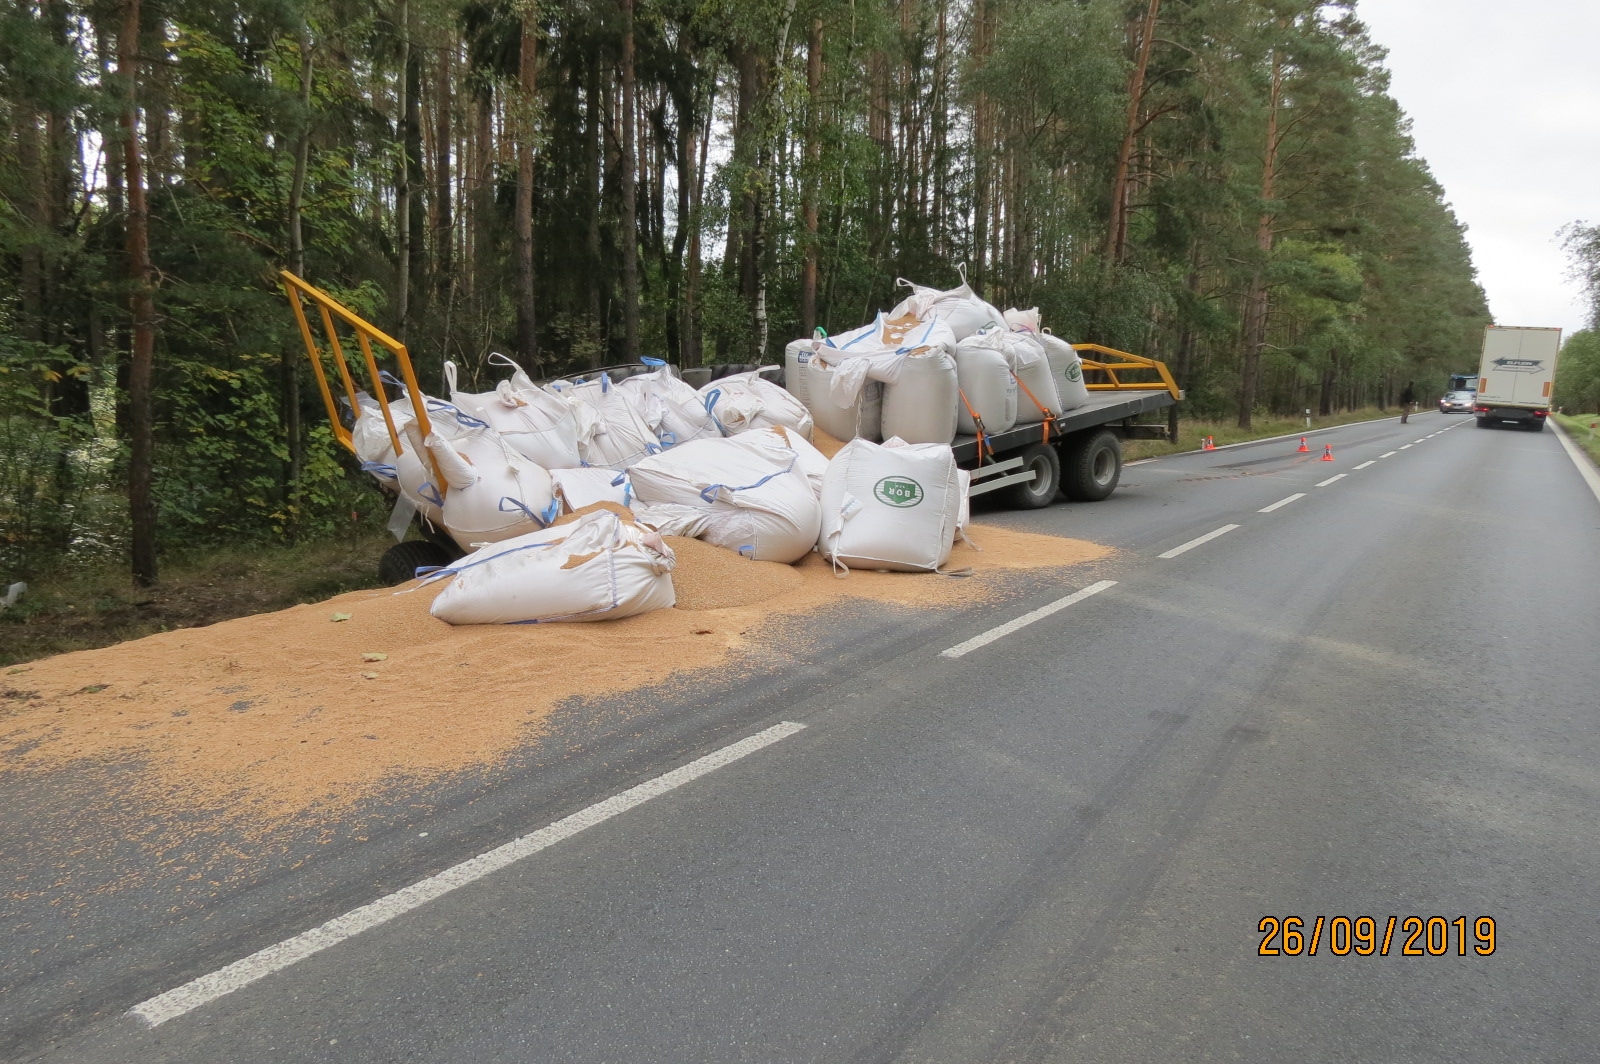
<point>1066,369</point>
<point>890,506</point>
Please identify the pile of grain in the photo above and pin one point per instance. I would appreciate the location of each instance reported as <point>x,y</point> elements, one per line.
<point>265,716</point>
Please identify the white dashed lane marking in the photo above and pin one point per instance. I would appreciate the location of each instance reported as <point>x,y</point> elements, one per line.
<point>999,630</point>
<point>1281,502</point>
<point>1193,543</point>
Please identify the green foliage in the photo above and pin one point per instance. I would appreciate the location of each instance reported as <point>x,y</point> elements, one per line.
<point>933,139</point>
<point>1577,387</point>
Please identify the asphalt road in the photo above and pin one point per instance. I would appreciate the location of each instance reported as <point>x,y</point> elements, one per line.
<point>1377,699</point>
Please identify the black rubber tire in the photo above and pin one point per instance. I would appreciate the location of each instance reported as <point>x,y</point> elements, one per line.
<point>1485,423</point>
<point>1537,425</point>
<point>400,562</point>
<point>1092,466</point>
<point>1043,459</point>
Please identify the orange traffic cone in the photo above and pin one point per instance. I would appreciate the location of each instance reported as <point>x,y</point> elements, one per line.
<point>1208,445</point>
<point>1327,452</point>
<point>1303,447</point>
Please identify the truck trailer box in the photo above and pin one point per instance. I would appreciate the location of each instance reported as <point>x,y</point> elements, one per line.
<point>1515,375</point>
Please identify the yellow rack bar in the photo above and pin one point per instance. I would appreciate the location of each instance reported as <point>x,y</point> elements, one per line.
<point>366,335</point>
<point>1126,363</point>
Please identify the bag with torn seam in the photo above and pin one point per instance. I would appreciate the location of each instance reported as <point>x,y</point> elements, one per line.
<point>597,567</point>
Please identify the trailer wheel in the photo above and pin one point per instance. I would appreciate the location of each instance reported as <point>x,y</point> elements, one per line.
<point>401,561</point>
<point>1045,463</point>
<point>1537,425</point>
<point>1093,466</point>
<point>1485,423</point>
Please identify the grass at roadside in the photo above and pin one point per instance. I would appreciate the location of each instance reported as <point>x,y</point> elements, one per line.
<point>1190,433</point>
<point>1584,430</point>
<point>87,607</point>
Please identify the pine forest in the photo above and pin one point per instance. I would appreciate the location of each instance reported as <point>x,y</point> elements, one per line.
<point>1225,185</point>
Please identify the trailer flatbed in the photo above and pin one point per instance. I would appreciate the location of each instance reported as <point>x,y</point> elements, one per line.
<point>1078,454</point>
<point>1103,408</point>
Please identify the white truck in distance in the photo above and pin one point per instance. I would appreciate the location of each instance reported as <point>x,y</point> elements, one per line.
<point>1515,375</point>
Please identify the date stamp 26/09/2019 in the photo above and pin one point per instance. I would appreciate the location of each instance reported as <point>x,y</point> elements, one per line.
<point>1366,936</point>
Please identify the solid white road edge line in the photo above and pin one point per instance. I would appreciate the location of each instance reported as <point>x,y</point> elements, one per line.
<point>1389,453</point>
<point>1280,502</point>
<point>258,965</point>
<point>1585,467</point>
<point>1330,480</point>
<point>1000,631</point>
<point>1193,543</point>
<point>1364,465</point>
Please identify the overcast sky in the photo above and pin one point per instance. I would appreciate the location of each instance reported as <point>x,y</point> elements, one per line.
<point>1505,107</point>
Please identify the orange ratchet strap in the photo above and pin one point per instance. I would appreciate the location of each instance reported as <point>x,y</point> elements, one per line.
<point>1049,418</point>
<point>983,437</point>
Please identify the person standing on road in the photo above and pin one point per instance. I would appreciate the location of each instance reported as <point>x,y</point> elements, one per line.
<point>1408,400</point>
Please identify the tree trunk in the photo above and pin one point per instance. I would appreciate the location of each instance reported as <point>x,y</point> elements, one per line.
<point>141,417</point>
<point>694,354</point>
<point>766,180</point>
<point>594,153</point>
<point>402,181</point>
<point>444,222</point>
<point>982,140</point>
<point>484,213</point>
<point>527,71</point>
<point>628,239</point>
<point>1255,307</point>
<point>290,372</point>
<point>813,155</point>
<point>1117,229</point>
<point>25,131</point>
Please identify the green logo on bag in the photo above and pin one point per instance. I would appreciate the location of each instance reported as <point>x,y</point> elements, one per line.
<point>1075,373</point>
<point>898,491</point>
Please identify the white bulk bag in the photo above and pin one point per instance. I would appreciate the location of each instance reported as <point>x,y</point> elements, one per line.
<point>796,357</point>
<point>1036,389</point>
<point>673,410</point>
<point>596,568</point>
<point>866,337</point>
<point>369,436</point>
<point>861,416</point>
<point>541,427</point>
<point>813,463</point>
<point>919,406</point>
<point>370,433</point>
<point>742,493</point>
<point>960,308</point>
<point>410,472</point>
<point>494,493</point>
<point>1027,320</point>
<point>620,435</point>
<point>890,506</point>
<point>744,401</point>
<point>1066,370</point>
<point>577,488</point>
<point>988,391</point>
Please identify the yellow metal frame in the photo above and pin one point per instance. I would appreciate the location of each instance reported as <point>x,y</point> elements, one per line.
<point>366,334</point>
<point>1126,363</point>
